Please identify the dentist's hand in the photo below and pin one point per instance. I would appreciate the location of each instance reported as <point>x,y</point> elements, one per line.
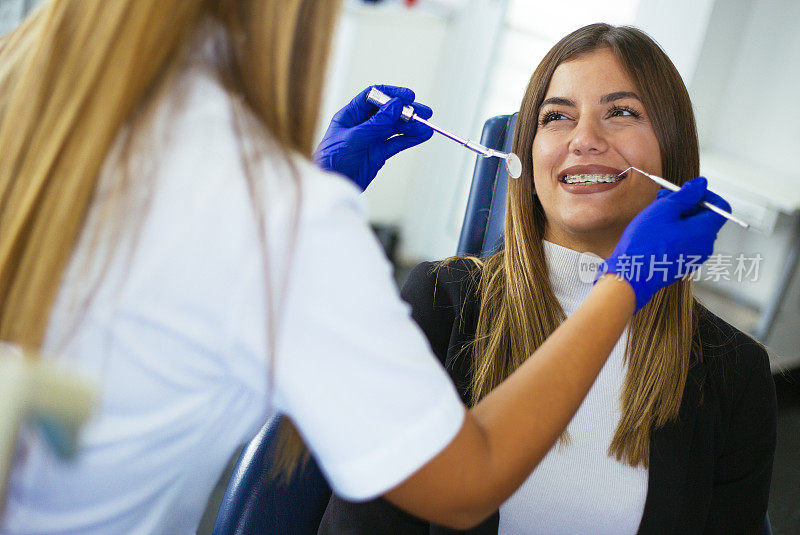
<point>362,137</point>
<point>668,239</point>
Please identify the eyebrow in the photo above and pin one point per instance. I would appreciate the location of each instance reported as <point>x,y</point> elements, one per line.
<point>618,95</point>
<point>560,101</point>
<point>605,99</point>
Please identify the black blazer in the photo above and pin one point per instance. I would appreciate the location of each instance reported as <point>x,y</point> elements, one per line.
<point>709,469</point>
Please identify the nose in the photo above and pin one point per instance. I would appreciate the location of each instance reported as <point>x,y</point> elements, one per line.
<point>587,138</point>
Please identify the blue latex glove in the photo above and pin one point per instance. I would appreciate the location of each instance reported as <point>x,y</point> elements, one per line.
<point>362,137</point>
<point>668,239</point>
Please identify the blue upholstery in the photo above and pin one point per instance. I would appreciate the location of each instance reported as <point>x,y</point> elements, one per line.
<point>254,503</point>
<point>486,208</point>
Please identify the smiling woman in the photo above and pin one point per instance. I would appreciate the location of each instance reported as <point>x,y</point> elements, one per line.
<point>678,433</point>
<point>592,125</point>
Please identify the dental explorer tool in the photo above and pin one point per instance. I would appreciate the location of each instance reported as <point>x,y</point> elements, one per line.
<point>672,187</point>
<point>513,164</point>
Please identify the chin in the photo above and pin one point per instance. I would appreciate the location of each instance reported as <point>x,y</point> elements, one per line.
<point>599,227</point>
<point>588,224</point>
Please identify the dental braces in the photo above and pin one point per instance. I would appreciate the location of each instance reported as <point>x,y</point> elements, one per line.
<point>591,178</point>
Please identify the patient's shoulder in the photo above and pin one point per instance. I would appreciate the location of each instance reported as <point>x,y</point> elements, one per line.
<point>718,334</point>
<point>446,282</point>
<point>729,352</point>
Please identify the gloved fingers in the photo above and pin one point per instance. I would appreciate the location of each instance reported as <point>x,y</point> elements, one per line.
<point>400,143</point>
<point>385,122</point>
<point>691,210</point>
<point>717,201</point>
<point>413,128</point>
<point>360,109</point>
<point>691,193</point>
<point>711,197</point>
<point>410,127</point>
<point>356,111</point>
<point>662,193</point>
<point>403,93</point>
<point>422,110</point>
<point>407,97</point>
<point>707,218</point>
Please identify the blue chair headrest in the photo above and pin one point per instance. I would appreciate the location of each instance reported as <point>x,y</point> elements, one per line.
<point>484,220</point>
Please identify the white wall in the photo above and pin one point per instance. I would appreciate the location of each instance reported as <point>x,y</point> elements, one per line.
<point>438,200</point>
<point>679,26</point>
<point>745,93</point>
<point>759,119</point>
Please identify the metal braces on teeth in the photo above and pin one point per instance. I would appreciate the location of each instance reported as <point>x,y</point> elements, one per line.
<point>593,178</point>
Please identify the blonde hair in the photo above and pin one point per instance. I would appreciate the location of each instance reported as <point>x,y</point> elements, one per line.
<point>74,73</point>
<point>519,310</point>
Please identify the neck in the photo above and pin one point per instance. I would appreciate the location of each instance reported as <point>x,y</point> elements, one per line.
<point>601,243</point>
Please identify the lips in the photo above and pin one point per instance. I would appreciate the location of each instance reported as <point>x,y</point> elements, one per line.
<point>594,169</point>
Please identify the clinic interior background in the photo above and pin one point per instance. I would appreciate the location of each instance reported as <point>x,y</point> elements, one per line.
<point>471,60</point>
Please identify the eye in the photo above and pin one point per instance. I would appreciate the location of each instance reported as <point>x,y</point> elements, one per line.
<point>551,116</point>
<point>623,111</point>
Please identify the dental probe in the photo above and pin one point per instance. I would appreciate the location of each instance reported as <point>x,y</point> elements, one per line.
<point>672,187</point>
<point>513,163</point>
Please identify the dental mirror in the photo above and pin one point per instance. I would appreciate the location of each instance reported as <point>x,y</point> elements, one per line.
<point>513,163</point>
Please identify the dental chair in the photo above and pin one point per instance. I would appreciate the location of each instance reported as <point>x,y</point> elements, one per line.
<point>255,504</point>
<point>485,216</point>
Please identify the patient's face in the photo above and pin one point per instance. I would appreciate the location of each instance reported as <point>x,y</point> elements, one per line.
<point>593,123</point>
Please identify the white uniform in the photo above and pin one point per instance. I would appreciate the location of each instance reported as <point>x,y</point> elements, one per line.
<point>177,335</point>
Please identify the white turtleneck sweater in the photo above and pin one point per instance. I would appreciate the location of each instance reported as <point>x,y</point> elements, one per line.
<point>578,488</point>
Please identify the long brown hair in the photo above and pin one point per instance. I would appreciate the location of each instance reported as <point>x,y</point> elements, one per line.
<point>77,70</point>
<point>518,308</point>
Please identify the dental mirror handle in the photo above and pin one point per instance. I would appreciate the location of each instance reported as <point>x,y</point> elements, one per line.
<point>379,98</point>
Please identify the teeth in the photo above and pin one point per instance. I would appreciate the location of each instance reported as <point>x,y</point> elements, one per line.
<point>591,179</point>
